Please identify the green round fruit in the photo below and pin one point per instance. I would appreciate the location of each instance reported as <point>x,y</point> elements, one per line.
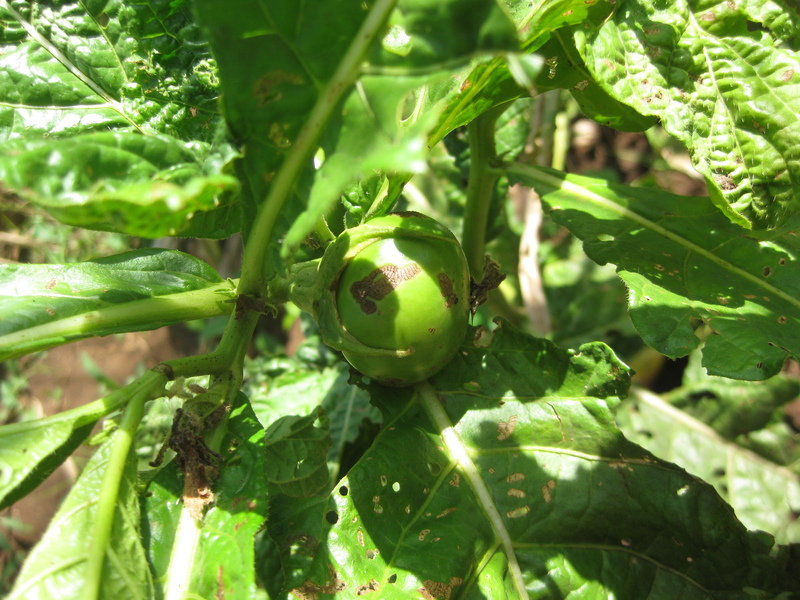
<point>404,291</point>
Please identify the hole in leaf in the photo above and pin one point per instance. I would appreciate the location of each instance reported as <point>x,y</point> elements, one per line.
<point>332,517</point>
<point>434,468</point>
<point>392,578</point>
<point>343,490</point>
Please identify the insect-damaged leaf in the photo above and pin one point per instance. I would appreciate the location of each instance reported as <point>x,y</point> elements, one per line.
<point>516,479</point>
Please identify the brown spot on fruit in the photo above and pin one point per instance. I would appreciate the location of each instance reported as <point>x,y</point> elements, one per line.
<point>379,283</point>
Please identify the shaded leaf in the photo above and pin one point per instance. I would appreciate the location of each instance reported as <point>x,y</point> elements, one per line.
<point>517,439</point>
<point>32,452</point>
<point>722,87</point>
<point>296,449</point>
<point>56,568</point>
<point>47,305</point>
<point>686,264</point>
<point>212,558</point>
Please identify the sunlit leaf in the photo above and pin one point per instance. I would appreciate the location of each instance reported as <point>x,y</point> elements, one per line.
<point>685,264</point>
<point>718,84</point>
<point>56,568</point>
<point>46,305</point>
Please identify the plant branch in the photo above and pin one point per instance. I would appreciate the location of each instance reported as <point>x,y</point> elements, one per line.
<point>147,387</point>
<point>252,281</point>
<point>482,179</point>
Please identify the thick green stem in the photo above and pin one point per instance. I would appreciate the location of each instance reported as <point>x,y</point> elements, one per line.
<point>252,280</point>
<point>213,301</point>
<point>482,179</point>
<point>147,387</point>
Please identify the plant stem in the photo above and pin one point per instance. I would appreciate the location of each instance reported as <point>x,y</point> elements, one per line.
<point>139,315</point>
<point>260,238</point>
<point>147,387</point>
<point>482,179</point>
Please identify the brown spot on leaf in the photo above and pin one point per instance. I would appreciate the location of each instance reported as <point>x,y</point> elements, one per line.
<point>516,493</point>
<point>504,430</point>
<point>436,590</point>
<point>379,283</point>
<point>783,320</point>
<point>311,591</point>
<point>455,480</point>
<point>725,182</point>
<point>514,477</point>
<point>787,75</point>
<point>547,488</point>
<point>264,89</point>
<point>220,593</point>
<point>372,586</point>
<point>518,512</point>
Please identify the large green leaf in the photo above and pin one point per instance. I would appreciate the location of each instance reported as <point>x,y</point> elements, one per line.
<point>515,483</point>
<point>70,73</point>
<point>212,558</point>
<point>720,85</point>
<point>56,568</point>
<point>277,64</point>
<point>46,305</point>
<point>69,68</point>
<point>685,264</point>
<point>295,450</point>
<point>144,185</point>
<point>764,495</point>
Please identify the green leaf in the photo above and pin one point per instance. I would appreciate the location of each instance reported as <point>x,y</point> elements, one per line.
<point>47,305</point>
<point>565,69</point>
<point>74,68</point>
<point>490,83</point>
<point>383,123</point>
<point>686,264</point>
<point>516,438</point>
<point>296,449</point>
<point>71,73</point>
<point>764,495</point>
<point>56,568</point>
<point>723,88</point>
<point>149,186</point>
<point>213,558</point>
<point>34,452</point>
